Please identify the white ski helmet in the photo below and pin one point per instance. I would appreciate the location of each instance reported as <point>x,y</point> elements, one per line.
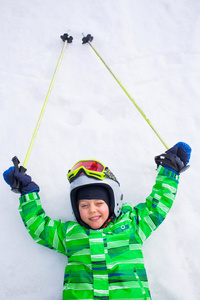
<point>112,186</point>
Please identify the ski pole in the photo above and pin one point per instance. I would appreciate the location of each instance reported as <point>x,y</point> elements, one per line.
<point>66,39</point>
<point>88,39</point>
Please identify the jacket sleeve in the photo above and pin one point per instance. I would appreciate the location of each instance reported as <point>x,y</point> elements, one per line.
<point>44,230</point>
<point>149,215</point>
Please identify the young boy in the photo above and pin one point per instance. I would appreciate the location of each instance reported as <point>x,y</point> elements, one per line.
<point>104,243</point>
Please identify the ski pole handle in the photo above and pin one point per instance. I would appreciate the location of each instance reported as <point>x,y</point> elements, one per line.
<point>16,184</point>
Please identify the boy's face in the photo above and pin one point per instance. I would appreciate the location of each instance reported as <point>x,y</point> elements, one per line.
<point>93,212</point>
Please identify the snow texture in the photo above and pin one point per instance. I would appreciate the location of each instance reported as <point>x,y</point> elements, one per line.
<point>153,47</point>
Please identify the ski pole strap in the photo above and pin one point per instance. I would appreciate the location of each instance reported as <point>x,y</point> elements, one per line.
<point>172,162</point>
<point>66,39</point>
<point>88,39</point>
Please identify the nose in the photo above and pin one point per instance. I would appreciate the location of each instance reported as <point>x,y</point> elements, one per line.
<point>92,208</point>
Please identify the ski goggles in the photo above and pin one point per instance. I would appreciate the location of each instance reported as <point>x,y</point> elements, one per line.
<point>91,168</point>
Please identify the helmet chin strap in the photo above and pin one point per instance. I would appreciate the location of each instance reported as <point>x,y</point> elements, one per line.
<point>109,220</point>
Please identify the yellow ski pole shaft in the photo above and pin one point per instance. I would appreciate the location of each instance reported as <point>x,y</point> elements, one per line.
<point>88,40</point>
<point>66,39</point>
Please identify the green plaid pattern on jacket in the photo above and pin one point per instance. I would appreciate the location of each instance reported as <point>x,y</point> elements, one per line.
<point>106,263</point>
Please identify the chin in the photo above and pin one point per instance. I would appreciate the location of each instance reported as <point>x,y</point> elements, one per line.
<point>95,226</point>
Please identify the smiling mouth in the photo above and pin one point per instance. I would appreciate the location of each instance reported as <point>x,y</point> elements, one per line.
<point>93,219</point>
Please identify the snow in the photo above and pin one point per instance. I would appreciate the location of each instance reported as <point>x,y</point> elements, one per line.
<point>153,47</point>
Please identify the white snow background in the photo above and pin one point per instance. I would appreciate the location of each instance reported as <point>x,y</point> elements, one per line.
<point>153,47</point>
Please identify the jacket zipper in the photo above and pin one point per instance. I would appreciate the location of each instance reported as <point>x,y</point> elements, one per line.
<point>140,283</point>
<point>67,282</point>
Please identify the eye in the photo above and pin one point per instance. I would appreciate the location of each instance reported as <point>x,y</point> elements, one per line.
<point>84,205</point>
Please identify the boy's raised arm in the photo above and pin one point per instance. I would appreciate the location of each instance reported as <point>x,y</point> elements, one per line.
<point>43,229</point>
<point>151,214</point>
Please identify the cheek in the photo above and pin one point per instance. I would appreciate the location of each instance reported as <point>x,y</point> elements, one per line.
<point>105,212</point>
<point>82,213</point>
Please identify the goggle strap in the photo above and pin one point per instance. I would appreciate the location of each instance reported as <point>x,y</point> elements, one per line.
<point>110,175</point>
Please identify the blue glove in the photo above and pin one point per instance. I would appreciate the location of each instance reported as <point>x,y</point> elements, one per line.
<point>8,176</point>
<point>176,158</point>
<point>26,184</point>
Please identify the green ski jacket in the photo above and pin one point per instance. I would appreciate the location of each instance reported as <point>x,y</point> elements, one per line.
<point>106,263</point>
